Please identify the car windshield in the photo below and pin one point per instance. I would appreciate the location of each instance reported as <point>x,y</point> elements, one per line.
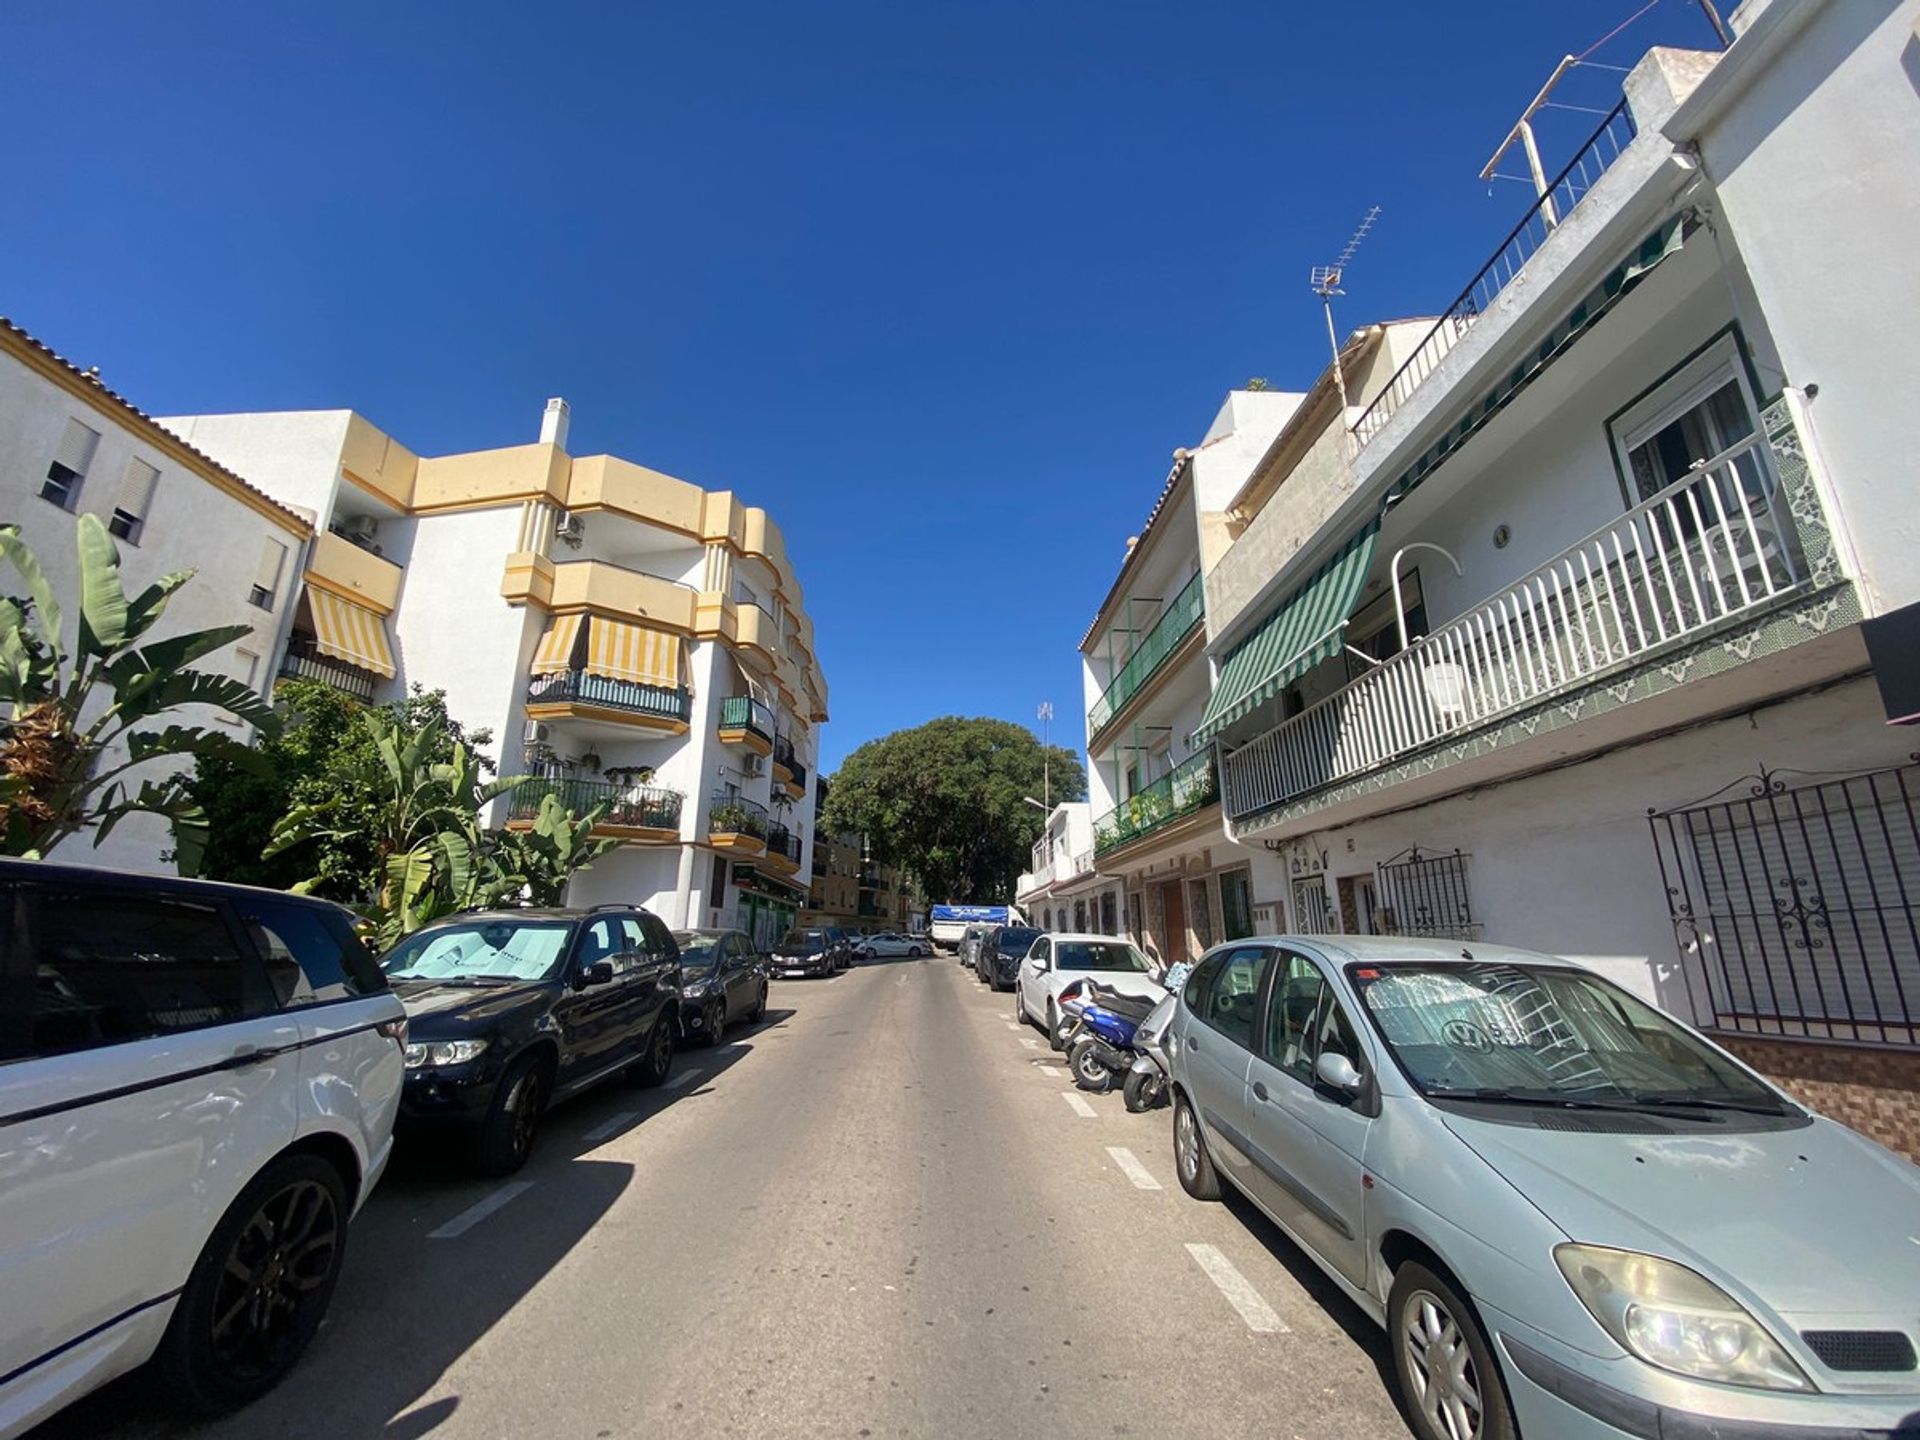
<point>1098,955</point>
<point>1522,1032</point>
<point>803,942</point>
<point>698,948</point>
<point>1016,943</point>
<point>481,950</point>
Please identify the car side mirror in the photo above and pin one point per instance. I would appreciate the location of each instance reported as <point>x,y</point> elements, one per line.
<point>1337,1072</point>
<point>600,972</point>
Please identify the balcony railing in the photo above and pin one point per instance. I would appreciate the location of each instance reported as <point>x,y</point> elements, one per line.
<point>1569,187</point>
<point>576,687</point>
<point>638,807</point>
<point>1189,786</point>
<point>874,880</point>
<point>743,712</point>
<point>303,661</point>
<point>785,757</point>
<point>1717,544</point>
<point>1175,624</point>
<point>782,841</point>
<point>733,815</point>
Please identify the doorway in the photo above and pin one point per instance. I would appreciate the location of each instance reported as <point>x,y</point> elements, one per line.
<point>1173,922</point>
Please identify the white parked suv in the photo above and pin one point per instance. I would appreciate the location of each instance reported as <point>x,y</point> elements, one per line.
<point>197,1089</point>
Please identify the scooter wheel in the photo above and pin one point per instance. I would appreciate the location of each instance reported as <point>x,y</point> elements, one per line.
<point>1143,1091</point>
<point>1088,1073</point>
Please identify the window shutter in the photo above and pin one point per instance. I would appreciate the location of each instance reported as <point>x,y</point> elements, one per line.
<point>77,447</point>
<point>272,556</point>
<point>136,489</point>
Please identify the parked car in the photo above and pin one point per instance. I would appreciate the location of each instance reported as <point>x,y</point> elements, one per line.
<point>815,951</point>
<point>970,939</point>
<point>1055,961</point>
<point>511,1011</point>
<point>843,942</point>
<point>888,945</point>
<point>1573,1214</point>
<point>198,1086</point>
<point>721,980</point>
<point>1001,951</point>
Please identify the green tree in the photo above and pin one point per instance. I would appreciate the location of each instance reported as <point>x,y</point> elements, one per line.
<point>946,801</point>
<point>79,722</point>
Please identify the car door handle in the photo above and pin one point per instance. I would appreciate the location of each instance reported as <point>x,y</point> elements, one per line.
<point>247,1055</point>
<point>1260,1090</point>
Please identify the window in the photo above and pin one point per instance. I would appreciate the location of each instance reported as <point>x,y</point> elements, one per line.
<point>1311,913</point>
<point>1080,916</point>
<point>1041,953</point>
<point>660,944</point>
<point>1108,921</point>
<point>266,582</point>
<point>603,940</point>
<point>312,954</point>
<point>1305,1021</point>
<point>136,497</point>
<point>1703,410</point>
<point>1200,981</point>
<point>114,968</point>
<point>1135,924</point>
<point>70,464</point>
<point>1236,904</point>
<point>249,668</point>
<point>1229,1003</point>
<point>1374,630</point>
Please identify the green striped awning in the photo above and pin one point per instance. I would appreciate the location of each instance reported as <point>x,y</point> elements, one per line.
<point>1302,631</point>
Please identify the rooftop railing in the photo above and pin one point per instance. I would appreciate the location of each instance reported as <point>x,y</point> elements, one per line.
<point>1189,786</point>
<point>1567,190</point>
<point>1175,624</point>
<point>1716,544</point>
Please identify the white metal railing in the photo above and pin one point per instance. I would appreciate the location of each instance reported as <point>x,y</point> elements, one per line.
<point>1715,544</point>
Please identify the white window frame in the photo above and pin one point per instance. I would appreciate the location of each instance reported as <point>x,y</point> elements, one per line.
<point>1685,389</point>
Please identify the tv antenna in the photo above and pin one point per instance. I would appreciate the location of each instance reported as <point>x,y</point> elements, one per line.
<point>1325,280</point>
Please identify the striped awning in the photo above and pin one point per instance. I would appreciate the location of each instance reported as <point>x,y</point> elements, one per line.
<point>555,653</point>
<point>350,632</point>
<point>622,650</point>
<point>1303,630</point>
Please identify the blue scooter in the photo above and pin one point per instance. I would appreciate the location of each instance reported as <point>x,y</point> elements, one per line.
<point>1103,1050</point>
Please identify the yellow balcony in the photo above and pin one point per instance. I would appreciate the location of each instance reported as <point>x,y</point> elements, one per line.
<point>359,575</point>
<point>599,587</point>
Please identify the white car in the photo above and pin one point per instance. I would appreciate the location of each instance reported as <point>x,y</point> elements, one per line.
<point>198,1085</point>
<point>1056,961</point>
<point>870,947</point>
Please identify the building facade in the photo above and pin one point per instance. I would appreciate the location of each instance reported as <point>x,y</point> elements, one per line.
<point>1568,648</point>
<point>626,637</point>
<point>70,446</point>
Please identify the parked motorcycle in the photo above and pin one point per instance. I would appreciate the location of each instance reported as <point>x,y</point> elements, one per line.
<point>1146,1084</point>
<point>1103,1051</point>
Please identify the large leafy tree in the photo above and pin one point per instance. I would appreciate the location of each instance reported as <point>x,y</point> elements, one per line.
<point>84,724</point>
<point>946,800</point>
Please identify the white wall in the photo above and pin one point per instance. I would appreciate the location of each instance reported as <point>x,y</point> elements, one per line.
<point>191,524</point>
<point>1814,165</point>
<point>293,455</point>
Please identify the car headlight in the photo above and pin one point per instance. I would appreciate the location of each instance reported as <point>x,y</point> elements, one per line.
<point>1677,1319</point>
<point>695,990</point>
<point>422,1053</point>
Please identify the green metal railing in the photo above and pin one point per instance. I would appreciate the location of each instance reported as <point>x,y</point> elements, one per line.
<point>644,807</point>
<point>1187,787</point>
<point>743,712</point>
<point>1175,624</point>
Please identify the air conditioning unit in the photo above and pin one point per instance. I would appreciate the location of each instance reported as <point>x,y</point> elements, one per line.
<point>361,529</point>
<point>537,732</point>
<point>571,530</point>
<point>753,765</point>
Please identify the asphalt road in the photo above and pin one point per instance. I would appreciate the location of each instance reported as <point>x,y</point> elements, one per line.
<point>883,1212</point>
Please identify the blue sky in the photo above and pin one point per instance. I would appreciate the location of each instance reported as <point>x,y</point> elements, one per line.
<point>941,287</point>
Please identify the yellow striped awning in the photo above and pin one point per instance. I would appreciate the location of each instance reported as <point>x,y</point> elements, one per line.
<point>350,632</point>
<point>621,650</point>
<point>555,653</point>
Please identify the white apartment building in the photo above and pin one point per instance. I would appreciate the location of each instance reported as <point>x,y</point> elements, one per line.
<point>1169,878</point>
<point>1567,649</point>
<point>1061,890</point>
<point>625,636</point>
<point>70,446</point>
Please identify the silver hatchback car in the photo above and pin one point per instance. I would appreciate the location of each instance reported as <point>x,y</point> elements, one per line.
<point>1574,1216</point>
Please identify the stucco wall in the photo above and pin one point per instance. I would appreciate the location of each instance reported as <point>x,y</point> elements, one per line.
<point>1814,169</point>
<point>293,455</point>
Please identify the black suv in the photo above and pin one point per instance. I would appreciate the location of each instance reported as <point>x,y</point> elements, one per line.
<point>1002,949</point>
<point>511,1010</point>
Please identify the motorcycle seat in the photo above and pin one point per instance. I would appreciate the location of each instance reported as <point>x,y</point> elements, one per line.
<point>1131,1007</point>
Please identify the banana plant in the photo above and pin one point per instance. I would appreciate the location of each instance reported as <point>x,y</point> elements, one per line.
<point>542,858</point>
<point>80,717</point>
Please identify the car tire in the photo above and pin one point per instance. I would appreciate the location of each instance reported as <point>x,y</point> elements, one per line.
<point>506,1135</point>
<point>198,1363</point>
<point>1441,1360</point>
<point>1190,1159</point>
<point>653,1067</point>
<point>716,1025</point>
<point>1053,1027</point>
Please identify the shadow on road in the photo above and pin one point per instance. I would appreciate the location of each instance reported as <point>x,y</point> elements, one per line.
<point>408,1307</point>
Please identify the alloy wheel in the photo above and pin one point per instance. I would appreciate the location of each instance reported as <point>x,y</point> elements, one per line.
<point>1446,1387</point>
<point>277,1267</point>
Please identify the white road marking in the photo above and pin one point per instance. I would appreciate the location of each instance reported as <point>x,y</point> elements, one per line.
<point>1261,1317</point>
<point>474,1214</point>
<point>1080,1107</point>
<point>1011,1025</point>
<point>611,1126</point>
<point>1030,1043</point>
<point>1131,1167</point>
<point>684,1078</point>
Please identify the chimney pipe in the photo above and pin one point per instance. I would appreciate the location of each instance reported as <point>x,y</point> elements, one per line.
<point>553,424</point>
